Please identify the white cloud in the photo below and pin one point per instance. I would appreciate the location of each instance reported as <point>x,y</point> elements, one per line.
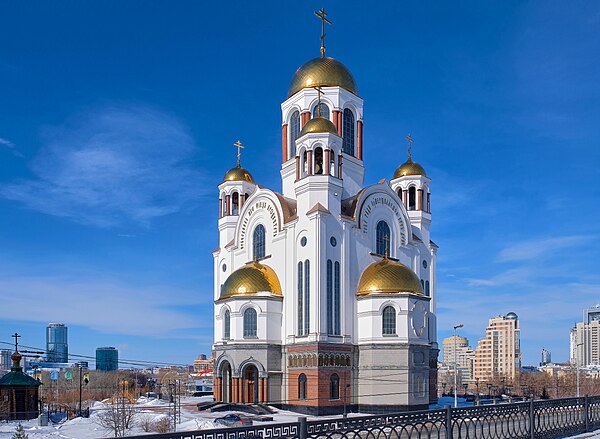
<point>113,166</point>
<point>529,250</point>
<point>11,146</point>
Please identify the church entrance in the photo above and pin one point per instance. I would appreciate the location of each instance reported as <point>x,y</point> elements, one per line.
<point>226,382</point>
<point>251,384</point>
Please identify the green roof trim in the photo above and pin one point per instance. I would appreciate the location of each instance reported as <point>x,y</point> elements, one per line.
<point>18,378</point>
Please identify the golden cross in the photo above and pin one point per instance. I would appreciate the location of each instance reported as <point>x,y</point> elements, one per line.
<point>387,243</point>
<point>16,337</point>
<point>322,15</point>
<point>319,93</point>
<point>239,147</point>
<point>410,140</point>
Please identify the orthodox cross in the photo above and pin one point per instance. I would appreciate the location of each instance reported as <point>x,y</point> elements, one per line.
<point>239,147</point>
<point>322,15</point>
<point>16,337</point>
<point>386,239</point>
<point>409,140</point>
<point>319,93</point>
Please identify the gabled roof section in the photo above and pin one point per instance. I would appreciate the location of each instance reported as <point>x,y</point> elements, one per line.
<point>318,208</point>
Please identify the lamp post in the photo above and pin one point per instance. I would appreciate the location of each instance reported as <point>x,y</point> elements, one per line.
<point>455,327</point>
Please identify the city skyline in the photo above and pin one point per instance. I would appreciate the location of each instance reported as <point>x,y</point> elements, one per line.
<point>499,98</point>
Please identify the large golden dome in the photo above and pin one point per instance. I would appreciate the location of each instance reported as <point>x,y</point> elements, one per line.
<point>318,125</point>
<point>252,278</point>
<point>238,174</point>
<point>409,168</point>
<point>325,72</point>
<point>387,276</point>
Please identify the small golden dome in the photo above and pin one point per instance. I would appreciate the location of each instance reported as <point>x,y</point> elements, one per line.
<point>238,174</point>
<point>409,168</point>
<point>318,125</point>
<point>252,278</point>
<point>325,72</point>
<point>387,276</point>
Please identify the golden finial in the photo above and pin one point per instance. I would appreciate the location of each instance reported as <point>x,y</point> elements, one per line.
<point>319,93</point>
<point>409,140</point>
<point>322,15</point>
<point>239,147</point>
<point>386,239</point>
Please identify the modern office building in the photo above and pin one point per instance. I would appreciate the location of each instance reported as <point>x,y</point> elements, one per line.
<point>585,343</point>
<point>107,358</point>
<point>591,314</point>
<point>57,348</point>
<point>498,355</point>
<point>5,360</point>
<point>546,357</point>
<point>464,357</point>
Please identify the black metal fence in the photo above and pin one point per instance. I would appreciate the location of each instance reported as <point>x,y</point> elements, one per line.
<point>522,420</point>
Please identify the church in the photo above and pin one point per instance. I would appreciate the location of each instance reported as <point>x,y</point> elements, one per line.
<point>325,291</point>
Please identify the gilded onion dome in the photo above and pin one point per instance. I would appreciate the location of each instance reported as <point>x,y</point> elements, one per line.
<point>387,276</point>
<point>324,72</point>
<point>238,174</point>
<point>409,168</point>
<point>252,278</point>
<point>318,125</point>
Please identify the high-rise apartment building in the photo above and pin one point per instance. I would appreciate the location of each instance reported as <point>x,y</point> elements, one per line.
<point>107,358</point>
<point>499,353</point>
<point>57,348</point>
<point>546,357</point>
<point>463,359</point>
<point>5,360</point>
<point>591,314</point>
<point>585,343</point>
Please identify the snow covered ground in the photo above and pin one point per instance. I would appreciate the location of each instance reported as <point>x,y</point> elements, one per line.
<point>191,419</point>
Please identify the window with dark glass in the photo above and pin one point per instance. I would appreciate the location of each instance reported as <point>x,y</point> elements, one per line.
<point>227,325</point>
<point>250,322</point>
<point>294,130</point>
<point>258,242</point>
<point>324,111</point>
<point>427,288</point>
<point>334,386</point>
<point>306,297</point>
<point>318,161</point>
<point>412,198</point>
<point>336,299</point>
<point>382,238</point>
<point>348,132</point>
<point>300,299</point>
<point>302,386</point>
<point>389,321</point>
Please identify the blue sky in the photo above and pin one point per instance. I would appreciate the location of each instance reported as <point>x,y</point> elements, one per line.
<point>118,120</point>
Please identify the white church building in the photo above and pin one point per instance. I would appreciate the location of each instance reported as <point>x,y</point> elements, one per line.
<point>325,292</point>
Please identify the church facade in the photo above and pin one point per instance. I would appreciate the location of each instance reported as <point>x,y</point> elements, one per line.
<point>325,292</point>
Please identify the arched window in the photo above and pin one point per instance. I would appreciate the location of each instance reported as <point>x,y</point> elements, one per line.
<point>334,386</point>
<point>428,202</point>
<point>348,132</point>
<point>250,322</point>
<point>235,203</point>
<point>332,170</point>
<point>304,169</point>
<point>412,198</point>
<point>383,239</point>
<point>329,296</point>
<point>306,297</point>
<point>400,193</point>
<point>422,284</point>
<point>318,161</point>
<point>227,325</point>
<point>302,386</point>
<point>389,321</point>
<point>294,131</point>
<point>300,299</point>
<point>336,299</point>
<point>427,288</point>
<point>258,242</point>
<point>324,111</point>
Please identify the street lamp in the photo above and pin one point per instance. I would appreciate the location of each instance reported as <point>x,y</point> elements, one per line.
<point>455,327</point>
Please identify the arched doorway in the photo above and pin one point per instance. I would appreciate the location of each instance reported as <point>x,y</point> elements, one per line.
<point>226,382</point>
<point>250,384</point>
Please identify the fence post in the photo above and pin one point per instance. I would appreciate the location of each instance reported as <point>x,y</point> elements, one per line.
<point>586,413</point>
<point>448,422</point>
<point>302,430</point>
<point>531,419</point>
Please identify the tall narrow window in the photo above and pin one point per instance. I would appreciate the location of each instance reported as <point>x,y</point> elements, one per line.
<point>227,325</point>
<point>334,386</point>
<point>306,297</point>
<point>348,132</point>
<point>235,203</point>
<point>329,297</point>
<point>294,131</point>
<point>412,198</point>
<point>300,300</point>
<point>389,321</point>
<point>250,322</point>
<point>318,161</point>
<point>427,288</point>
<point>324,111</point>
<point>302,386</point>
<point>258,242</point>
<point>336,300</point>
<point>382,239</point>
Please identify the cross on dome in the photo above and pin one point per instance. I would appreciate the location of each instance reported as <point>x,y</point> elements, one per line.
<point>322,16</point>
<point>409,140</point>
<point>319,93</point>
<point>16,337</point>
<point>239,147</point>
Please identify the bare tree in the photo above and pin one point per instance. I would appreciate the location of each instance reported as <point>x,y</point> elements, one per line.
<point>118,417</point>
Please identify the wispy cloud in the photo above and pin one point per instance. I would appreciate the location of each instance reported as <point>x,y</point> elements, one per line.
<point>11,146</point>
<point>534,249</point>
<point>112,166</point>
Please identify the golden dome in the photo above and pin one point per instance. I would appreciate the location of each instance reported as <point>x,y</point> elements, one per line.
<point>252,278</point>
<point>318,125</point>
<point>409,168</point>
<point>387,276</point>
<point>238,174</point>
<point>326,72</point>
